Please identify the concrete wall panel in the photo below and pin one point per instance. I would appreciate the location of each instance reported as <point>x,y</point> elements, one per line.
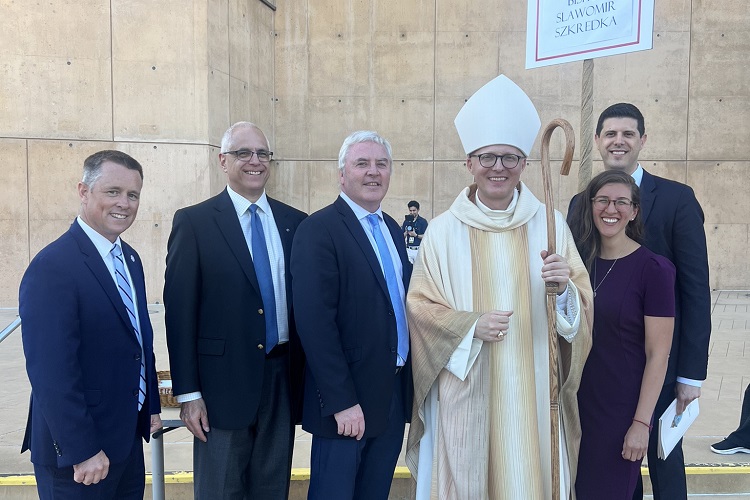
<point>14,218</point>
<point>217,28</point>
<point>450,178</point>
<point>55,97</point>
<point>719,15</point>
<point>722,189</point>
<point>290,183</point>
<point>333,119</point>
<point>406,123</point>
<point>219,118</point>
<point>480,15</point>
<point>726,115</point>
<point>673,15</point>
<point>291,57</point>
<point>713,54</point>
<point>323,182</point>
<point>403,64</point>
<point>447,143</point>
<point>416,15</point>
<point>335,16</point>
<point>464,61</point>
<point>239,100</point>
<point>293,127</point>
<point>339,63</point>
<point>409,181</point>
<point>727,246</point>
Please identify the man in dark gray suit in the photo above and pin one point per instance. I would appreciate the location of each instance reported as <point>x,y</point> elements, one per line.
<point>233,350</point>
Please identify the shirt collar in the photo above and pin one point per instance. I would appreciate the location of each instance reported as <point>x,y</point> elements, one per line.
<point>102,244</point>
<point>241,204</point>
<point>637,175</point>
<point>359,212</point>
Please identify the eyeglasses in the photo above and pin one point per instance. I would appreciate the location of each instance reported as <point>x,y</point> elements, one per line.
<point>488,160</point>
<point>602,203</point>
<point>247,154</point>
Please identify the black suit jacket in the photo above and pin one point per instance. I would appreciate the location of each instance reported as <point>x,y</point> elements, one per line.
<point>82,356</point>
<point>216,330</point>
<point>346,321</point>
<point>673,221</point>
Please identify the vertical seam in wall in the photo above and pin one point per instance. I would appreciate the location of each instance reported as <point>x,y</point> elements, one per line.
<point>434,107</point>
<point>112,71</point>
<point>28,205</point>
<point>687,107</point>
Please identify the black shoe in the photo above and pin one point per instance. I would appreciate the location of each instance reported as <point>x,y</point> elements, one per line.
<point>726,447</point>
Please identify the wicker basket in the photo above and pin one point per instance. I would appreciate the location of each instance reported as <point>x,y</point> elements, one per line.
<point>165,390</point>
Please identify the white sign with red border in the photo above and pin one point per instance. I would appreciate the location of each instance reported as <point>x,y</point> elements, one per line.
<point>560,31</point>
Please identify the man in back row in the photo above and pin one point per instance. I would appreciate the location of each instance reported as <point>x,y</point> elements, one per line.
<point>673,228</point>
<point>413,227</point>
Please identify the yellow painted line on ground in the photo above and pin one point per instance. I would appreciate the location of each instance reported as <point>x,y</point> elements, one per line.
<point>303,474</point>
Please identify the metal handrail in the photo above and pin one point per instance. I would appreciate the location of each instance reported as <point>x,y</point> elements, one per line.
<point>10,328</point>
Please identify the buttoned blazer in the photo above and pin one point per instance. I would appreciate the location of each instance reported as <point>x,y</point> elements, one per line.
<point>673,221</point>
<point>346,321</point>
<point>82,355</point>
<point>216,332</point>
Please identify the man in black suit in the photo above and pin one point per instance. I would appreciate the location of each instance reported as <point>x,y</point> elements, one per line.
<point>350,273</point>
<point>673,228</point>
<point>233,350</point>
<point>89,345</point>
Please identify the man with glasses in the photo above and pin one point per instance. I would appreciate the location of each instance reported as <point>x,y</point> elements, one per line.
<point>478,322</point>
<point>235,358</point>
<point>673,221</point>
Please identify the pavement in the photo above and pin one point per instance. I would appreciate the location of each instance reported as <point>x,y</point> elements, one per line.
<point>711,476</point>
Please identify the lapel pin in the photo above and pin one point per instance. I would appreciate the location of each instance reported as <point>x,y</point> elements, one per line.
<point>287,230</point>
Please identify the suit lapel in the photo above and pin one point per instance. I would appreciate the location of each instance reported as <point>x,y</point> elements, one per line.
<point>95,263</point>
<point>229,225</point>
<point>648,194</point>
<point>358,233</point>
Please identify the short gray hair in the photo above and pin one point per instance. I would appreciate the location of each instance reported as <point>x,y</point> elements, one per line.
<point>92,166</point>
<point>226,139</point>
<point>359,137</point>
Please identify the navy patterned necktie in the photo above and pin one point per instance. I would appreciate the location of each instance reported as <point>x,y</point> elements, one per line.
<point>126,293</point>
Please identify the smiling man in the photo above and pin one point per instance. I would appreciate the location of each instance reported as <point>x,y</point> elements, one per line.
<point>673,223</point>
<point>89,345</point>
<point>479,330</point>
<point>350,273</point>
<point>234,354</point>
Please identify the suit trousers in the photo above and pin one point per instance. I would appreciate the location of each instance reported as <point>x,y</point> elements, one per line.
<point>253,463</point>
<point>347,469</point>
<point>125,480</point>
<point>741,436</point>
<point>668,479</point>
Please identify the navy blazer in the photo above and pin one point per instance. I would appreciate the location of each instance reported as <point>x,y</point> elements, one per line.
<point>82,356</point>
<point>673,221</point>
<point>345,321</point>
<point>216,331</point>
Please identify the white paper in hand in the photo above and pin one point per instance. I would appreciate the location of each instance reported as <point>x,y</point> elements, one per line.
<point>672,427</point>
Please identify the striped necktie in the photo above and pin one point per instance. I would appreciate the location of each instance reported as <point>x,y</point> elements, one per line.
<point>262,264</point>
<point>391,280</point>
<point>126,293</point>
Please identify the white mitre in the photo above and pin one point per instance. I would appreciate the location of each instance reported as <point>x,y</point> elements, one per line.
<point>498,113</point>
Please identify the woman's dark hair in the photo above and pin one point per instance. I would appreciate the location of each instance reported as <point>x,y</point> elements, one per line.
<point>582,226</point>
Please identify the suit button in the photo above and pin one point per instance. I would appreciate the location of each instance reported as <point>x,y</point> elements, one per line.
<point>135,392</point>
<point>322,405</point>
<point>260,311</point>
<point>137,357</point>
<point>260,346</point>
<point>390,313</point>
<point>393,349</point>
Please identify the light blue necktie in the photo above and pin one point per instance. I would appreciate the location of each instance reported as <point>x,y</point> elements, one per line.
<point>126,293</point>
<point>265,279</point>
<point>391,281</point>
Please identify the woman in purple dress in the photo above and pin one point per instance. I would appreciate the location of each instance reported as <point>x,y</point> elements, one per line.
<point>633,322</point>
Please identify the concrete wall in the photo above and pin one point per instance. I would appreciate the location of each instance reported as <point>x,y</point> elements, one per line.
<point>162,81</point>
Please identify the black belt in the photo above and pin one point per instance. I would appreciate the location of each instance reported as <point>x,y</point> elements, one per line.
<point>278,350</point>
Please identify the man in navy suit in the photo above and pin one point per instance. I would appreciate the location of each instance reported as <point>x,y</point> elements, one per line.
<point>235,358</point>
<point>89,345</point>
<point>673,228</point>
<point>350,272</point>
